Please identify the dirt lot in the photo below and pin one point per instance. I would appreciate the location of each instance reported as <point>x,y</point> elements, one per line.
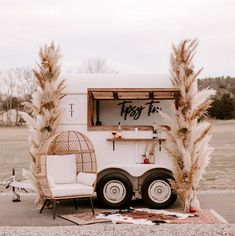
<point>14,149</point>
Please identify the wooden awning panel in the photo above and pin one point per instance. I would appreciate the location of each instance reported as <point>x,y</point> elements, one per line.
<point>132,94</point>
<point>164,95</point>
<point>103,95</point>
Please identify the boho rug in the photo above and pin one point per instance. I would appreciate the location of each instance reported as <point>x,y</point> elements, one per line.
<point>147,217</point>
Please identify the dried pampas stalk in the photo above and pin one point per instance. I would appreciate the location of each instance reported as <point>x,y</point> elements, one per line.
<point>188,139</point>
<point>44,107</point>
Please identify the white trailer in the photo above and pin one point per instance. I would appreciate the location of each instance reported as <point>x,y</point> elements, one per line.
<point>135,165</point>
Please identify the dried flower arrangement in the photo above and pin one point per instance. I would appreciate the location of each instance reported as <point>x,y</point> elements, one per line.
<point>188,137</point>
<point>44,107</point>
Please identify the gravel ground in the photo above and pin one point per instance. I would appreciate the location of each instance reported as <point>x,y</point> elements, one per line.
<point>117,230</point>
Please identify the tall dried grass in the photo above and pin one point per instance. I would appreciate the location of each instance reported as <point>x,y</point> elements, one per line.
<point>188,139</point>
<point>43,109</point>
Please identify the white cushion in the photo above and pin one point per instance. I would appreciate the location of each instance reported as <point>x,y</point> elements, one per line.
<point>51,181</point>
<point>62,168</point>
<point>86,178</point>
<point>66,190</point>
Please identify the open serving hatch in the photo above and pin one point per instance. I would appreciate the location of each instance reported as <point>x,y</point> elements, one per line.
<point>132,107</point>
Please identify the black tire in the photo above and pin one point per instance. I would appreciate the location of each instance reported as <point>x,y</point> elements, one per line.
<point>114,190</point>
<point>157,192</point>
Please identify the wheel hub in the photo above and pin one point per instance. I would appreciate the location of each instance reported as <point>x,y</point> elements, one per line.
<point>159,191</point>
<point>114,191</point>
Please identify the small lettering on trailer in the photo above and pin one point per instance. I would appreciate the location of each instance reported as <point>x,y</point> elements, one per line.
<point>71,109</point>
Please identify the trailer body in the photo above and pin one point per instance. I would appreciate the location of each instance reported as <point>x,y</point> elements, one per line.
<point>135,165</point>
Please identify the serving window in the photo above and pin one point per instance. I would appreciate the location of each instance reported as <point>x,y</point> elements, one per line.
<point>131,107</point>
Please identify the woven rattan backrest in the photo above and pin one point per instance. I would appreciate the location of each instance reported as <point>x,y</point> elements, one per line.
<point>69,142</point>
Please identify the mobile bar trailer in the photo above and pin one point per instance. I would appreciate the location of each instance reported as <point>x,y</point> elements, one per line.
<point>120,115</point>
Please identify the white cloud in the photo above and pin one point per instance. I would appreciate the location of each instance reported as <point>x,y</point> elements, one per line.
<point>134,35</point>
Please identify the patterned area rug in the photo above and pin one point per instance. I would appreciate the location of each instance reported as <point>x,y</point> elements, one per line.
<point>84,219</point>
<point>147,217</point>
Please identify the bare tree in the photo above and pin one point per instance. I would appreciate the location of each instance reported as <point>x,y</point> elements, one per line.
<point>96,65</point>
<point>17,85</point>
<point>8,90</point>
<point>27,82</point>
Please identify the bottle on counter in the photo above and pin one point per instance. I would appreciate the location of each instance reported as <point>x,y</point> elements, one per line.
<point>119,131</point>
<point>154,130</point>
<point>119,127</point>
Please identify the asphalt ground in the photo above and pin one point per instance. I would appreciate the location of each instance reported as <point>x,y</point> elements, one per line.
<point>24,213</point>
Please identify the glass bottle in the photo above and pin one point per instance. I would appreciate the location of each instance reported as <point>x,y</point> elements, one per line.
<point>154,130</point>
<point>119,130</point>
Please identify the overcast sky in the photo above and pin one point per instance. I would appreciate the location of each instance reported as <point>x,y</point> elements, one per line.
<point>133,35</point>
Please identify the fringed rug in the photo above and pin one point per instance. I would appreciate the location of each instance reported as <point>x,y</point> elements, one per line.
<point>147,217</point>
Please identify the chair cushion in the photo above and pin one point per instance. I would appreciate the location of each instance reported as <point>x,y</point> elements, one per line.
<point>67,190</point>
<point>62,168</point>
<point>51,181</point>
<point>86,178</point>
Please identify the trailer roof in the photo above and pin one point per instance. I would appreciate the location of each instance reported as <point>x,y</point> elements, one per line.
<point>79,83</point>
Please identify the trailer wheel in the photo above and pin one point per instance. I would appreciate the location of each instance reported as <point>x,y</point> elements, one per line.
<point>157,192</point>
<point>114,190</point>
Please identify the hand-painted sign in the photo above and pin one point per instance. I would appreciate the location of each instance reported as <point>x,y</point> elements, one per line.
<point>135,111</point>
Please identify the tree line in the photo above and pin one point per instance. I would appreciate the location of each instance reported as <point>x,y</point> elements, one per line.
<point>223,106</point>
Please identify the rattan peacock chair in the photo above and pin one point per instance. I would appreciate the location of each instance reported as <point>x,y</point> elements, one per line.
<point>66,168</point>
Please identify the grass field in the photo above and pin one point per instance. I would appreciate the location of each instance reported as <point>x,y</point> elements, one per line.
<point>14,150</point>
